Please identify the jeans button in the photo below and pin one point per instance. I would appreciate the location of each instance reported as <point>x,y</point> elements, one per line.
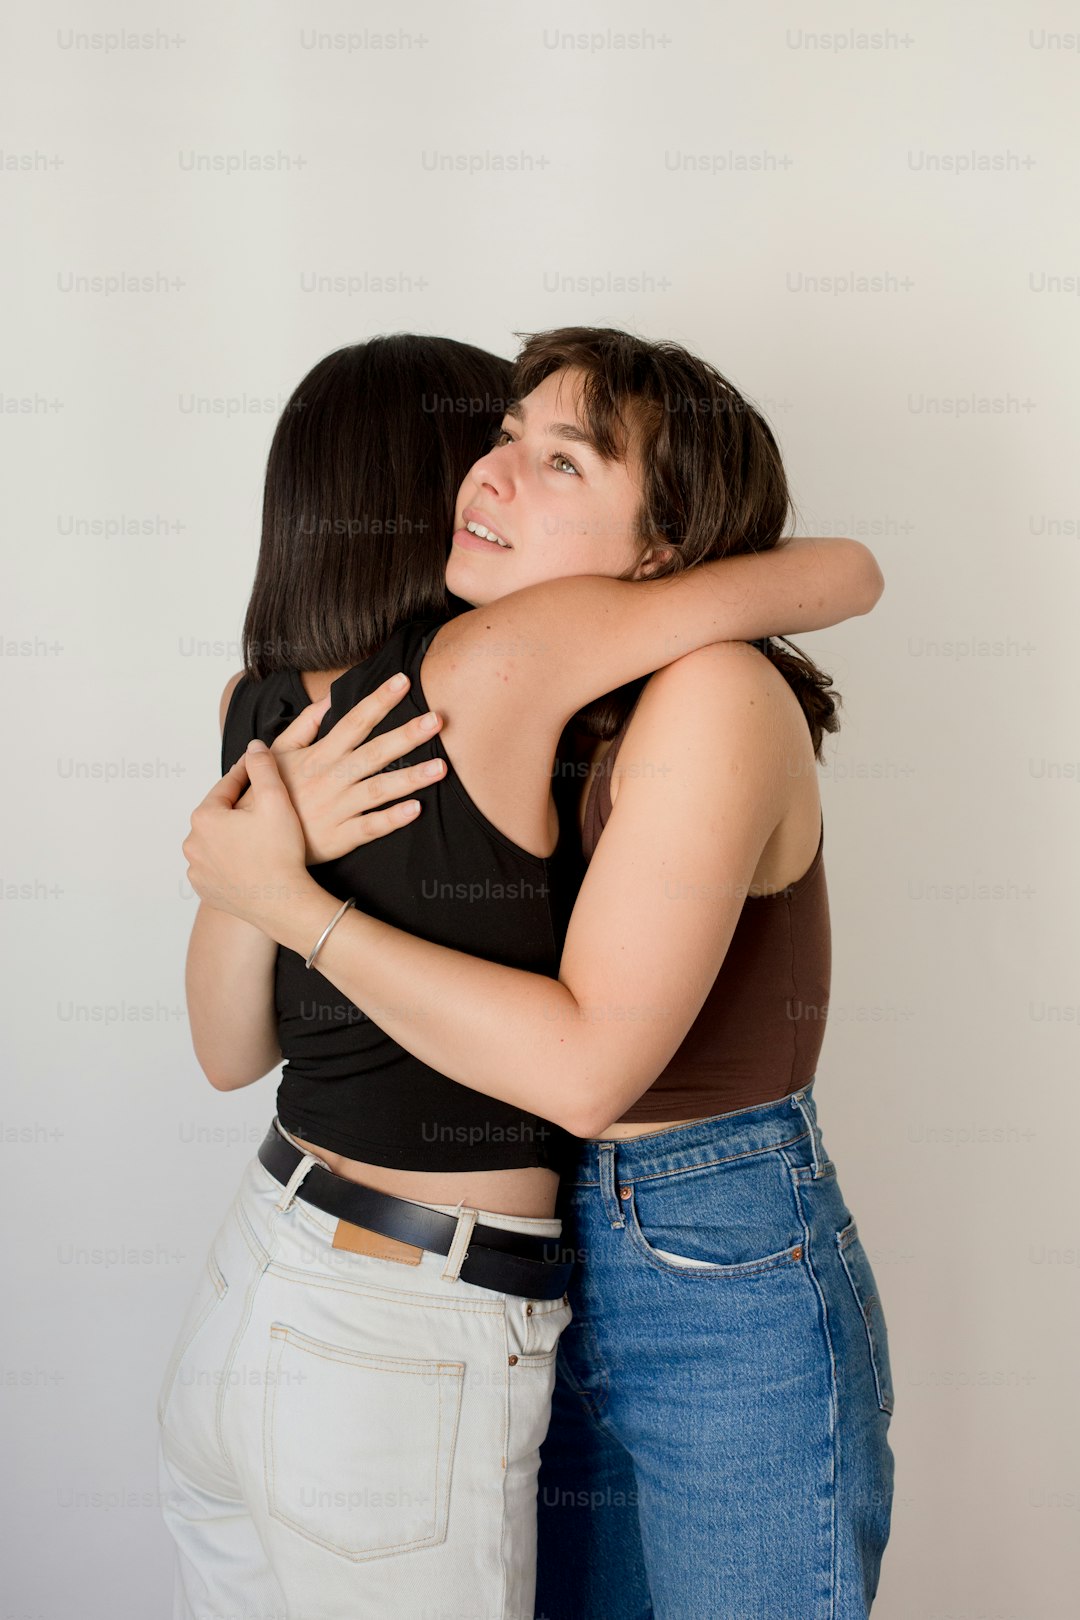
<point>624,1192</point>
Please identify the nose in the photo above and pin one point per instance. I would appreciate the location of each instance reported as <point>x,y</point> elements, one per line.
<point>494,470</point>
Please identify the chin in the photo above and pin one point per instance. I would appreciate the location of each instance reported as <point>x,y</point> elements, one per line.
<point>462,582</point>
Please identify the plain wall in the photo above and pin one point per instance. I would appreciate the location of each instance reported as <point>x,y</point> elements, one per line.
<point>866,217</point>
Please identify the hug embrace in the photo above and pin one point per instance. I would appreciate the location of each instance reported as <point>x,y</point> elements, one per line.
<point>540,1296</point>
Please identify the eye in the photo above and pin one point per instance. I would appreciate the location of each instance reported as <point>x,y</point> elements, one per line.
<point>567,464</point>
<point>501,437</point>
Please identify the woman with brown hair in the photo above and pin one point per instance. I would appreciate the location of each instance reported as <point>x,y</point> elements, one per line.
<point>598,471</point>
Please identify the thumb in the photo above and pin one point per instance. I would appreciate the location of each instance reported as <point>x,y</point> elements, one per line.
<point>262,767</point>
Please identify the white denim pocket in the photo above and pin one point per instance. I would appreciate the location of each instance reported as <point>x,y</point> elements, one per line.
<point>359,1448</point>
<point>533,1329</point>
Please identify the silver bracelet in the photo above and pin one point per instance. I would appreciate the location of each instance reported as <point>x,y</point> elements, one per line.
<point>322,937</point>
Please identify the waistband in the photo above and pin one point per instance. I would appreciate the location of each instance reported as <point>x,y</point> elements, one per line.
<point>487,1256</point>
<point>700,1143</point>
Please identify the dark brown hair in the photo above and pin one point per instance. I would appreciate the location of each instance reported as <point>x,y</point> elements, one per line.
<point>358,504</point>
<point>713,480</point>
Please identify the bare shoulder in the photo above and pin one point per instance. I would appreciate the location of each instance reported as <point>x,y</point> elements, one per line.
<point>226,697</point>
<point>486,667</point>
<point>729,695</point>
<point>722,726</point>
<point>720,682</point>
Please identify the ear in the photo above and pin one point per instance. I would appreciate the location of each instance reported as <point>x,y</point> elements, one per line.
<point>651,559</point>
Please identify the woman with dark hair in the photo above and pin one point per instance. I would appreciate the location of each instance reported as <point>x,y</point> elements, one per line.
<point>361,481</point>
<point>382,1141</point>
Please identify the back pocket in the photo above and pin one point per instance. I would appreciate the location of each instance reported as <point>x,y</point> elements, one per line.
<point>860,1275</point>
<point>359,1448</point>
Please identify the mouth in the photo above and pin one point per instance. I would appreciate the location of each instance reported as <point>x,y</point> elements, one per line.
<point>479,536</point>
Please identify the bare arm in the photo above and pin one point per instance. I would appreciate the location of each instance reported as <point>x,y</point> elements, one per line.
<point>230,996</point>
<point>542,653</point>
<point>341,785</point>
<point>508,676</point>
<point>649,931</point>
<point>229,980</point>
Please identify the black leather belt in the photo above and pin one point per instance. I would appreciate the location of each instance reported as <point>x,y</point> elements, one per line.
<point>508,1262</point>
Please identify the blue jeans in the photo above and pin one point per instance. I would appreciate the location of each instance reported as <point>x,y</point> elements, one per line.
<point>718,1447</point>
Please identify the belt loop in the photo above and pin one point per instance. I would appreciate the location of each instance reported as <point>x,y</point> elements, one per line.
<point>612,1207</point>
<point>289,1189</point>
<point>458,1248</point>
<point>803,1100</point>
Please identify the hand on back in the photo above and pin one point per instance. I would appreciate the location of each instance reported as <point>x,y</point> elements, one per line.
<point>339,785</point>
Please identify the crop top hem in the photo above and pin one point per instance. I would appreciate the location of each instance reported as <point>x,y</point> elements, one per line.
<point>389,1157</point>
<point>665,1110</point>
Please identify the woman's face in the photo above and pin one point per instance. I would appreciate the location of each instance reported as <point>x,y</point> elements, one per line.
<point>547,493</point>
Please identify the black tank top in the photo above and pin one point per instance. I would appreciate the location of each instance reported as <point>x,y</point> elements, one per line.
<point>451,877</point>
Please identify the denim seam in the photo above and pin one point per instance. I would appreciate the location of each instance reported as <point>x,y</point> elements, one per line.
<point>844,1239</point>
<point>261,1267</point>
<point>172,1369</point>
<point>265,1261</point>
<point>834,1418</point>
<point>248,1234</point>
<point>593,1406</point>
<point>504,1572</point>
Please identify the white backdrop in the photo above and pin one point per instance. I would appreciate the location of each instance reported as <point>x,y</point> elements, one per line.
<point>866,216</point>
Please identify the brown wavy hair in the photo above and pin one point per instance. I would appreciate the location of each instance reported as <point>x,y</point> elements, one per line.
<point>713,480</point>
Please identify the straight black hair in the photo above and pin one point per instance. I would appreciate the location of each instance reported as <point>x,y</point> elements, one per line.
<point>358,503</point>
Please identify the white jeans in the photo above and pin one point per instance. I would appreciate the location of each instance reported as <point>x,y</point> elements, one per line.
<point>344,1437</point>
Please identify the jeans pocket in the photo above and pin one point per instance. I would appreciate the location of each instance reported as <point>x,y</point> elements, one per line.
<point>210,1290</point>
<point>730,1221</point>
<point>860,1274</point>
<point>359,1448</point>
<point>534,1327</point>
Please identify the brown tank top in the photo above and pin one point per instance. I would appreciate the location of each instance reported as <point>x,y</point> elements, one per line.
<point>759,1033</point>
